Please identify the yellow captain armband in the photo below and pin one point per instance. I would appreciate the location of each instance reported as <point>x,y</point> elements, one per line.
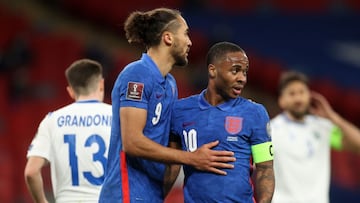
<point>262,152</point>
<point>336,138</point>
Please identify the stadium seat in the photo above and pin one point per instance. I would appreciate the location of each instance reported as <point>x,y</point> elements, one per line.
<point>7,166</point>
<point>353,5</point>
<point>234,6</point>
<point>301,6</point>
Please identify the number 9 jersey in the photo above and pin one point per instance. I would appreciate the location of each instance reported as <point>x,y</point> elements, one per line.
<point>130,178</point>
<point>75,139</point>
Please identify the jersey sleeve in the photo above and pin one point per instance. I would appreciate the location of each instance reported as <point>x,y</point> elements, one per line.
<point>261,145</point>
<point>41,143</point>
<point>135,88</point>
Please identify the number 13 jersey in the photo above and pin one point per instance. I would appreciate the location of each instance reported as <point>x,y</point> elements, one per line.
<point>75,139</point>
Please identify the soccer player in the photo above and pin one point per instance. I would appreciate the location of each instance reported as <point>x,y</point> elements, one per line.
<point>241,126</point>
<point>73,139</point>
<point>303,135</point>
<point>142,99</point>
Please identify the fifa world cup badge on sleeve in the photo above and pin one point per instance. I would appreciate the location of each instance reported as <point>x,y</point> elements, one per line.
<point>134,91</point>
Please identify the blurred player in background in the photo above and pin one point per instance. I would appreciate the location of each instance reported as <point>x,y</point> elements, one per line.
<point>73,139</point>
<point>220,113</point>
<point>142,98</point>
<point>303,136</point>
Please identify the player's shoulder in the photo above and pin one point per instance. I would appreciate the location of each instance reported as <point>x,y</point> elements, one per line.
<point>187,102</point>
<point>188,99</point>
<point>317,120</point>
<point>280,118</point>
<point>251,104</point>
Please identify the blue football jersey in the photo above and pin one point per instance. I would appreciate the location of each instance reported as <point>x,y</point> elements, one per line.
<point>238,124</point>
<point>139,85</point>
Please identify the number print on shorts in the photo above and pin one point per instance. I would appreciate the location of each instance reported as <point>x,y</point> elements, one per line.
<point>190,139</point>
<point>98,156</point>
<point>156,118</point>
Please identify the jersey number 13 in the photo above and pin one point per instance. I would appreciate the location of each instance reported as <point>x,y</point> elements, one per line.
<point>98,156</point>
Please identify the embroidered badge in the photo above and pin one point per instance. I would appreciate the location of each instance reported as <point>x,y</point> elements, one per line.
<point>134,91</point>
<point>233,125</point>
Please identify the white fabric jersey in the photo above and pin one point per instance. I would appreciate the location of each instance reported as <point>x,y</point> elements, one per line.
<point>75,140</point>
<point>301,159</point>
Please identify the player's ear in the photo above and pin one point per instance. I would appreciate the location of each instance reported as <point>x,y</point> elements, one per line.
<point>102,85</point>
<point>167,38</point>
<point>71,92</point>
<point>212,70</point>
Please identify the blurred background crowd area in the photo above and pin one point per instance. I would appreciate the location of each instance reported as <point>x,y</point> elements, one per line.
<point>39,39</point>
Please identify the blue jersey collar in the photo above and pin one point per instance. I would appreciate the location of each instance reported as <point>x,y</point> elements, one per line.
<point>226,106</point>
<point>153,68</point>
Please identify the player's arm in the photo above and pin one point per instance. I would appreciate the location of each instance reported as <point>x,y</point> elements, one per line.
<point>33,178</point>
<point>135,143</point>
<point>350,133</point>
<point>172,170</point>
<point>265,181</point>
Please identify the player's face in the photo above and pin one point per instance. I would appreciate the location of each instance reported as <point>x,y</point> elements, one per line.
<point>231,75</point>
<point>182,44</point>
<point>295,99</point>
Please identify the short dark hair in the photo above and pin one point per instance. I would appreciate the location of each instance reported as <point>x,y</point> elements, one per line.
<point>219,50</point>
<point>146,28</point>
<point>83,75</point>
<point>290,76</point>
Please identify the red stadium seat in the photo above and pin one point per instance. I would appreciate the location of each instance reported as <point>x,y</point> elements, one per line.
<point>52,55</point>
<point>353,4</point>
<point>7,166</point>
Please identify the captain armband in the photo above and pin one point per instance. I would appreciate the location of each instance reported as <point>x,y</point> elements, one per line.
<point>262,152</point>
<point>336,138</point>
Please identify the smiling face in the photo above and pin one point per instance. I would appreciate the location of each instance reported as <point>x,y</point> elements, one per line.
<point>229,74</point>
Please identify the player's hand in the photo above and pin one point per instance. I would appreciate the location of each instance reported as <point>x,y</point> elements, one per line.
<point>320,106</point>
<point>206,159</point>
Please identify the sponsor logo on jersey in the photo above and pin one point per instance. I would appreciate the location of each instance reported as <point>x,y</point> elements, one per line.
<point>233,125</point>
<point>185,124</point>
<point>158,95</point>
<point>135,91</point>
<point>232,138</point>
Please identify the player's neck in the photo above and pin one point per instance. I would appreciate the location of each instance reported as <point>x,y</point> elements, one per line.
<point>93,96</point>
<point>294,118</point>
<point>162,59</point>
<point>213,98</point>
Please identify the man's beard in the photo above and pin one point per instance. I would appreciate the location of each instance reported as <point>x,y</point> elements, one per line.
<point>299,115</point>
<point>180,59</point>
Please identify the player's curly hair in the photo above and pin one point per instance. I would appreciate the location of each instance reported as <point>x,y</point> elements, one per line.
<point>146,28</point>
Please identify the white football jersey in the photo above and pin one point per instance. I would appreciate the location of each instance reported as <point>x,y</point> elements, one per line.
<point>75,140</point>
<point>301,159</point>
